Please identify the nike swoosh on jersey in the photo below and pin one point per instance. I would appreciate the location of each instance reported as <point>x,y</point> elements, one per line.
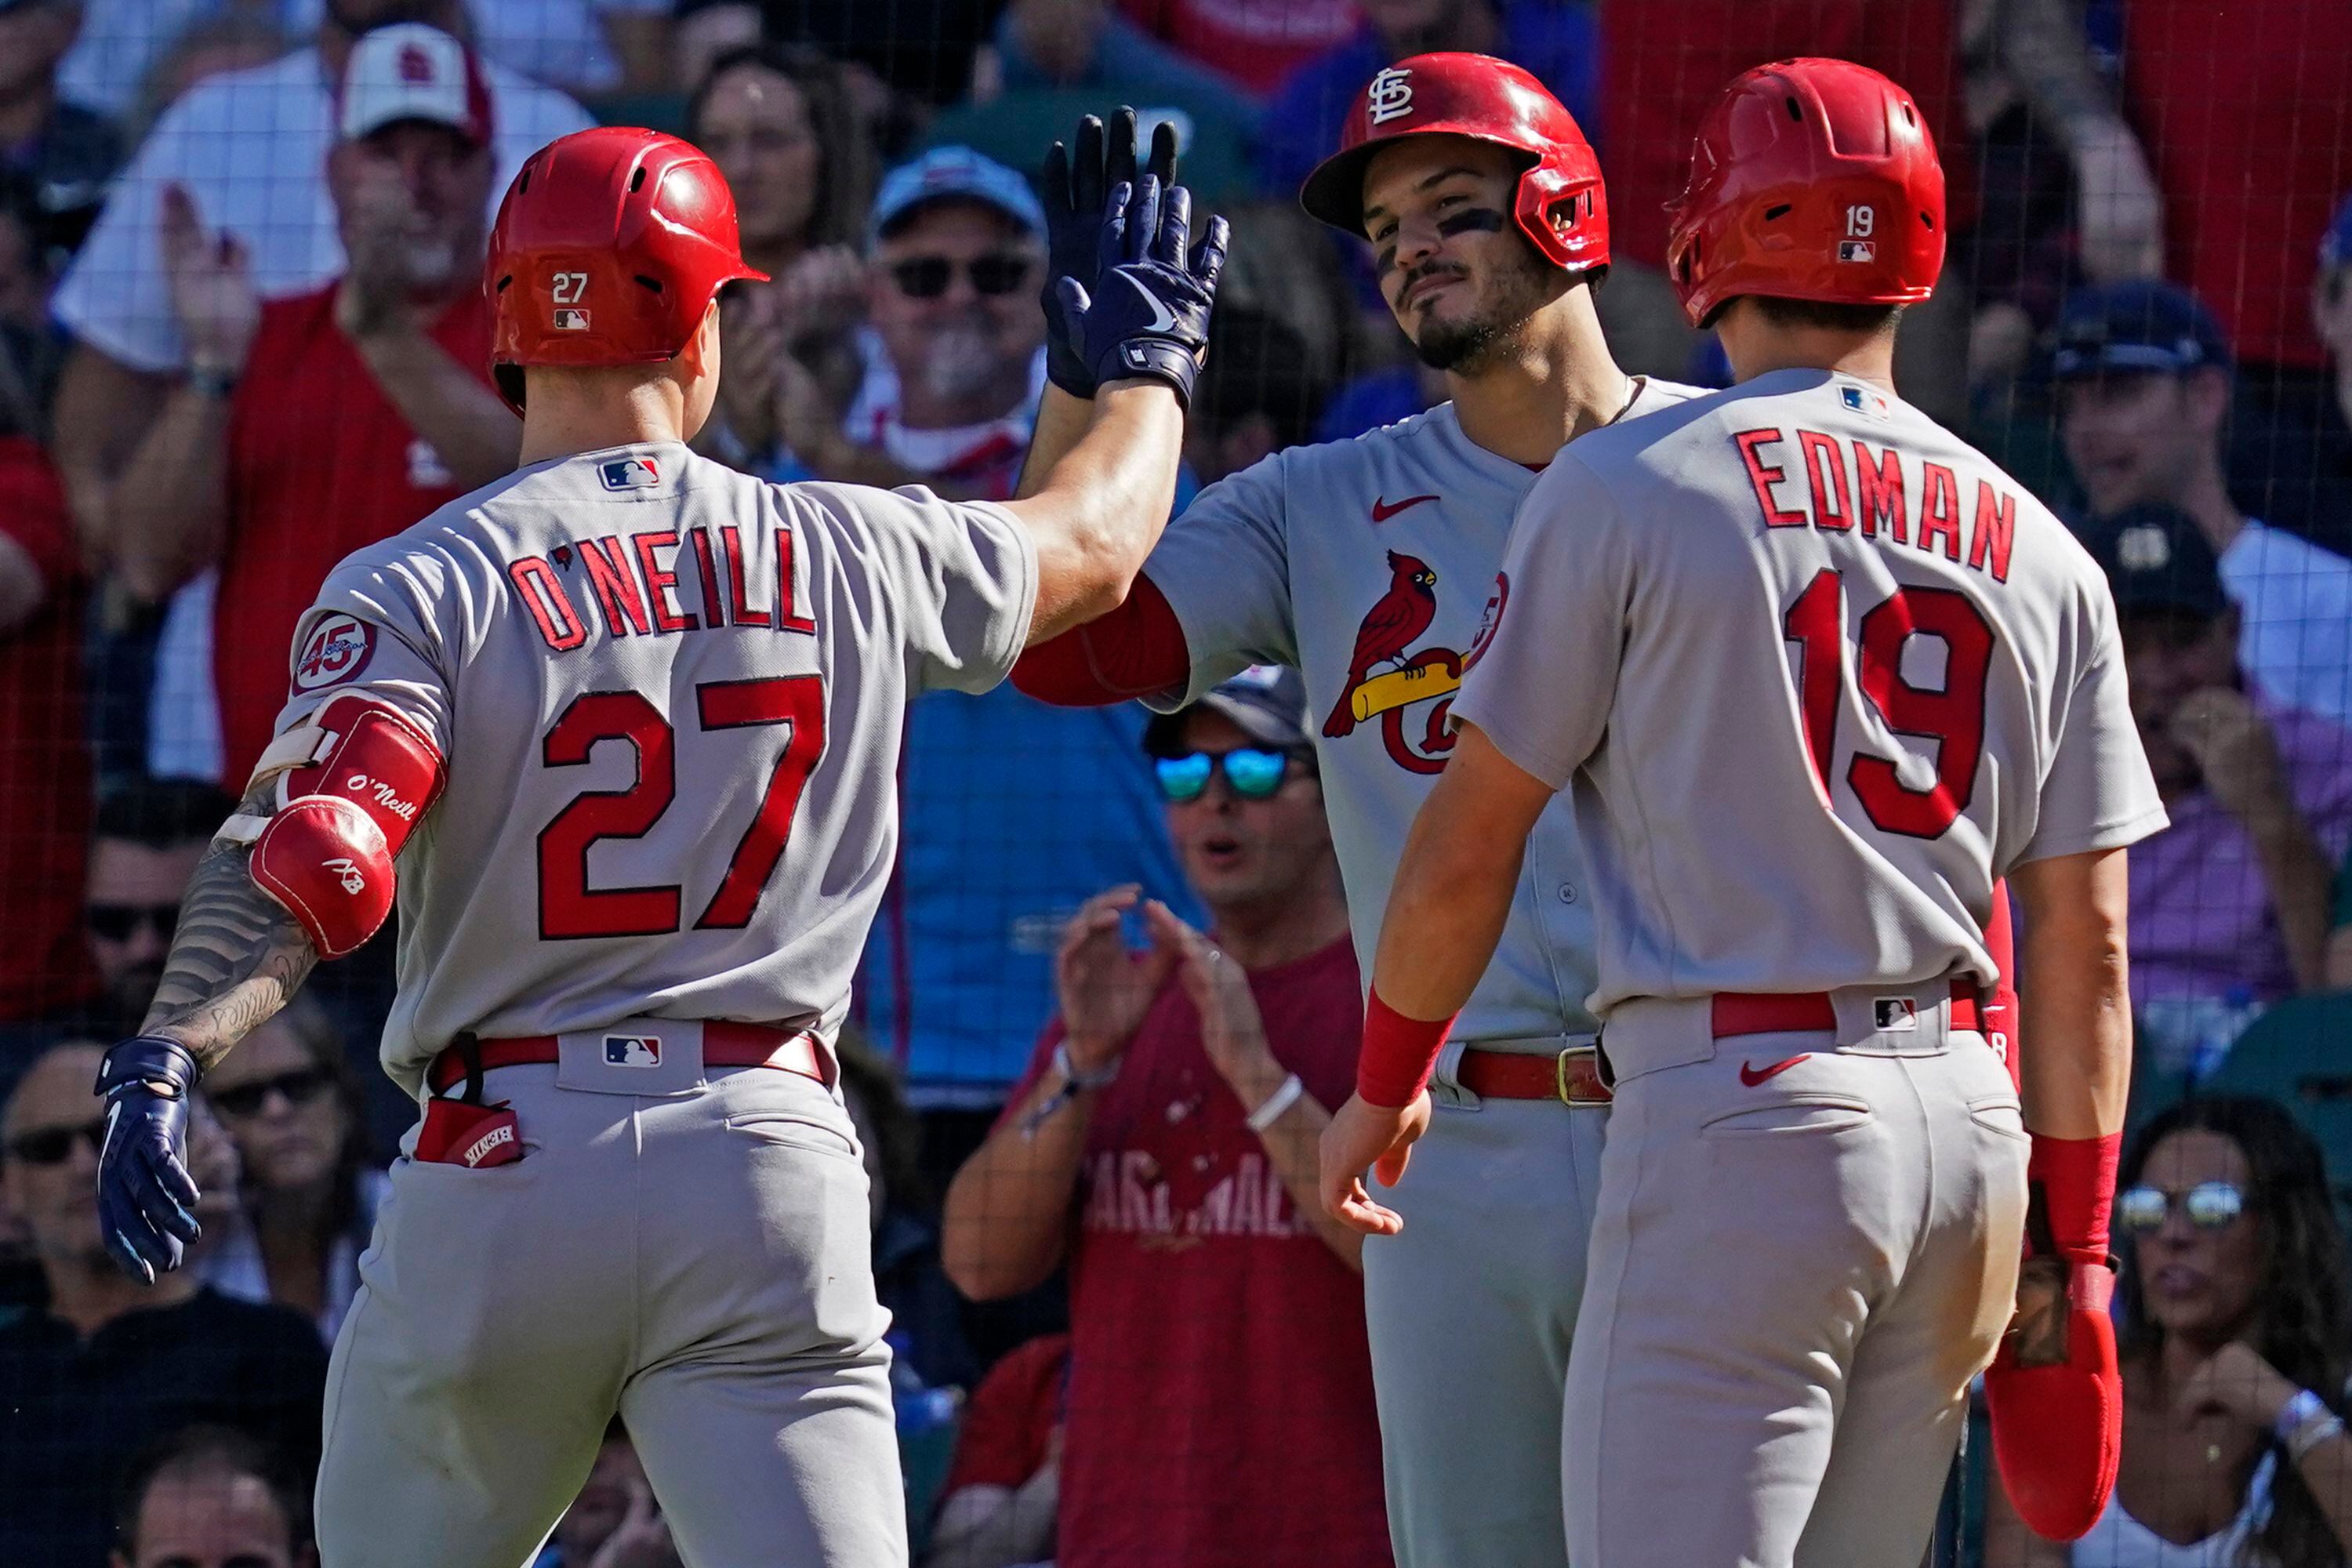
<point>1752,1075</point>
<point>1382,510</point>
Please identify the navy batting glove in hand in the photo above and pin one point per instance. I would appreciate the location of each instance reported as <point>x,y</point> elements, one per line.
<point>1149,313</point>
<point>1077,184</point>
<point>144,1193</point>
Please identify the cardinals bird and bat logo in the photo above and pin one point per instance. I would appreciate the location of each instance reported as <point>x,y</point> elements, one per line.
<point>1386,677</point>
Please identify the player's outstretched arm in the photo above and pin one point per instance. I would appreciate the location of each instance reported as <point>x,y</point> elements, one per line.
<point>1445,914</point>
<point>1144,329</point>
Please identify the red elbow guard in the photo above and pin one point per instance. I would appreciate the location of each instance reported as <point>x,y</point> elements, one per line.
<point>326,860</point>
<point>356,779</point>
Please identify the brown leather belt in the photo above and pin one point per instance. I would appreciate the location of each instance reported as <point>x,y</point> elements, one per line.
<point>1573,1076</point>
<point>724,1045</point>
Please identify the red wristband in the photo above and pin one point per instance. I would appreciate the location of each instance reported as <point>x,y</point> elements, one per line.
<point>2077,1179</point>
<point>1399,1053</point>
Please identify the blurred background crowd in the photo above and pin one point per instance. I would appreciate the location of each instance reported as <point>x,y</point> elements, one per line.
<point>242,333</point>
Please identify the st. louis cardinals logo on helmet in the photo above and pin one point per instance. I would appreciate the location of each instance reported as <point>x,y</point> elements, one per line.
<point>337,650</point>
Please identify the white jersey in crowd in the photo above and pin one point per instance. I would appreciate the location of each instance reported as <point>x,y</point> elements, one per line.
<point>1369,566</point>
<point>1821,673</point>
<point>671,699</point>
<point>250,148</point>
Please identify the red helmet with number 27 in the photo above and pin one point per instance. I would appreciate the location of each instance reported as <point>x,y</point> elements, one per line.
<point>608,250</point>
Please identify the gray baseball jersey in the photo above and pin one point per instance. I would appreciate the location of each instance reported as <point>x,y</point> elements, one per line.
<point>670,697</point>
<point>1369,566</point>
<point>1821,673</point>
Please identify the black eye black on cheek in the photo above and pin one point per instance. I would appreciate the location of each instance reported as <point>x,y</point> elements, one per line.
<point>1476,220</point>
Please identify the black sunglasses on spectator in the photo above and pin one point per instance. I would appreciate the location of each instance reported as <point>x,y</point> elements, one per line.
<point>300,1087</point>
<point>121,922</point>
<point>54,1145</point>
<point>928,276</point>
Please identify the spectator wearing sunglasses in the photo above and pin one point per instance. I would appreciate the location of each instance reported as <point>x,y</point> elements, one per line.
<point>307,1204</point>
<point>1162,1144</point>
<point>954,354</point>
<point>107,1364</point>
<point>1013,813</point>
<point>149,836</point>
<point>2236,1343</point>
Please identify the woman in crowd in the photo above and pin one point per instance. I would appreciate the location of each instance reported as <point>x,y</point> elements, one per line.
<point>290,1100</point>
<point>2236,1341</point>
<point>780,125</point>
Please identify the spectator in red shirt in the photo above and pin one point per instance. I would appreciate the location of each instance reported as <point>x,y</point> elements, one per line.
<point>1220,1401</point>
<point>1256,42</point>
<point>310,426</point>
<point>44,765</point>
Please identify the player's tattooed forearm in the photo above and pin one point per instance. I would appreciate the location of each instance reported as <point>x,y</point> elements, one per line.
<point>235,959</point>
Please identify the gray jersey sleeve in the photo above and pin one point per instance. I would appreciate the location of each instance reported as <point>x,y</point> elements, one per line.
<point>962,574</point>
<point>1224,568</point>
<point>2098,792</point>
<point>373,628</point>
<point>1542,688</point>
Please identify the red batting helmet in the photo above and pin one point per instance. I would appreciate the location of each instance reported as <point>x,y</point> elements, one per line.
<point>608,250</point>
<point>1810,179</point>
<point>1559,207</point>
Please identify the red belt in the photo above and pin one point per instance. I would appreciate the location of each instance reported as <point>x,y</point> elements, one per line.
<point>1802,1011</point>
<point>1573,1077</point>
<point>724,1045</point>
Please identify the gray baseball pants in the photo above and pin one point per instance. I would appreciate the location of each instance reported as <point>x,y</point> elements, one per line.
<point>695,1260</point>
<point>1794,1276</point>
<point>1470,1310</point>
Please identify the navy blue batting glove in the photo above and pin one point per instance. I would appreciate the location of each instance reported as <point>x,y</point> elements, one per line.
<point>1148,315</point>
<point>144,1193</point>
<point>1078,178</point>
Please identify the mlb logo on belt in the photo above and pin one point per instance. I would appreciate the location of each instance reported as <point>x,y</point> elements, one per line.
<point>630,474</point>
<point>1893,1014</point>
<point>633,1050</point>
<point>570,321</point>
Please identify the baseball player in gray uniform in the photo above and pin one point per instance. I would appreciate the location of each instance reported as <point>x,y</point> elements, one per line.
<point>629,721</point>
<point>1818,673</point>
<point>1371,566</point>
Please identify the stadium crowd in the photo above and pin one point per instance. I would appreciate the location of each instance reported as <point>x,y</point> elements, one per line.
<point>242,333</point>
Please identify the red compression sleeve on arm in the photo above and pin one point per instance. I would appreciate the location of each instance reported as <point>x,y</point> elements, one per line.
<point>1137,651</point>
<point>1399,1053</point>
<point>2077,1178</point>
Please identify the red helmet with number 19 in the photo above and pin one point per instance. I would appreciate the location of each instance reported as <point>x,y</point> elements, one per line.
<point>608,250</point>
<point>1810,179</point>
<point>1560,208</point>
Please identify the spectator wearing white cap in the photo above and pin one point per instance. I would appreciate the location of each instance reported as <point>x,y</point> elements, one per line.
<point>315,423</point>
<point>249,150</point>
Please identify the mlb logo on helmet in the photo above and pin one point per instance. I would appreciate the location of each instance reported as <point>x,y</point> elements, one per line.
<point>1857,250</point>
<point>630,474</point>
<point>570,321</point>
<point>1389,95</point>
<point>633,1050</point>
